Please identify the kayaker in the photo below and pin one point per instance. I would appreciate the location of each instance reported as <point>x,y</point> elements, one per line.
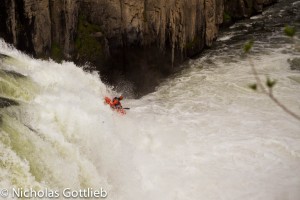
<point>116,102</point>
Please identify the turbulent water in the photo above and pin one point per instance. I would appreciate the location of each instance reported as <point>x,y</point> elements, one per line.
<point>202,135</point>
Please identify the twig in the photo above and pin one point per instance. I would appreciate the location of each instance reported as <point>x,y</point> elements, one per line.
<point>270,92</point>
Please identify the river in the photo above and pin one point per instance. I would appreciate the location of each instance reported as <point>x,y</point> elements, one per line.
<point>203,134</point>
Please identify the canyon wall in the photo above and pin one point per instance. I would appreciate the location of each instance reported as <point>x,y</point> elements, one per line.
<point>137,40</point>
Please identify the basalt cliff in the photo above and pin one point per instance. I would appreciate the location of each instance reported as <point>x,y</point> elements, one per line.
<point>135,40</point>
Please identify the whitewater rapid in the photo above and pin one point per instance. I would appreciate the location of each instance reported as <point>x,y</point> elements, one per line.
<point>203,134</point>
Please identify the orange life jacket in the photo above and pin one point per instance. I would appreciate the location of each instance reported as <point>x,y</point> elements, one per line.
<point>116,103</point>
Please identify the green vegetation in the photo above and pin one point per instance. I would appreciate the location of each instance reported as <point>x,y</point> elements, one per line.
<point>290,31</point>
<point>192,44</point>
<point>87,46</point>
<point>56,52</point>
<point>267,89</point>
<point>226,17</point>
<point>253,86</point>
<point>248,46</point>
<point>270,83</point>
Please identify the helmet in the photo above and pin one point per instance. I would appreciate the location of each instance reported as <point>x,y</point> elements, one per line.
<point>121,97</point>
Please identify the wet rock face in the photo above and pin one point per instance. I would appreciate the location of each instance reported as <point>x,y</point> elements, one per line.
<point>27,25</point>
<point>168,24</point>
<point>238,9</point>
<point>151,37</point>
<point>294,64</point>
<point>35,25</point>
<point>64,20</point>
<point>136,39</point>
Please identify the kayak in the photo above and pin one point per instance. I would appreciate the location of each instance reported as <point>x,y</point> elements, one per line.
<point>108,101</point>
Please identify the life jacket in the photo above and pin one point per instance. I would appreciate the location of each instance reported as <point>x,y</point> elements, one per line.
<point>116,103</point>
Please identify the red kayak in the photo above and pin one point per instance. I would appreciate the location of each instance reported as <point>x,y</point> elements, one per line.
<point>109,102</point>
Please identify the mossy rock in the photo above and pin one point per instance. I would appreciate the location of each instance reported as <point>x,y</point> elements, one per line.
<point>56,52</point>
<point>89,41</point>
<point>227,17</point>
<point>192,44</point>
<point>294,63</point>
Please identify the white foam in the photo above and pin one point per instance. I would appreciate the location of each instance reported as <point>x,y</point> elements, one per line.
<point>225,37</point>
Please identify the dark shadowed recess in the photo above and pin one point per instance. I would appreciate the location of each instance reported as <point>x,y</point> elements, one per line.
<point>142,68</point>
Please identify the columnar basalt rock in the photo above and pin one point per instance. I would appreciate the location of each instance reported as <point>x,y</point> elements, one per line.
<point>153,35</point>
<point>28,25</point>
<point>125,36</point>
<point>64,20</point>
